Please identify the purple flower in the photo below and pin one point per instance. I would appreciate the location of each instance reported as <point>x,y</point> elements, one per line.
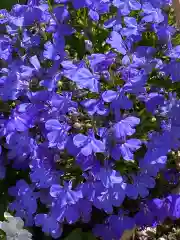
<point>174,52</point>
<point>49,225</point>
<point>152,101</point>
<point>21,147</point>
<point>88,144</point>
<point>109,177</point>
<point>140,186</point>
<point>5,48</point>
<point>25,204</point>
<point>119,224</point>
<point>21,118</point>
<point>132,27</point>
<point>126,149</point>
<point>125,127</point>
<point>103,231</point>
<point>96,8</point>
<point>43,174</point>
<point>58,133</point>
<point>94,106</point>
<point>4,16</point>
<point>85,208</point>
<point>54,51</point>
<point>65,194</point>
<point>116,41</point>
<point>85,79</point>
<point>151,14</point>
<point>63,102</point>
<point>118,101</point>
<point>126,6</point>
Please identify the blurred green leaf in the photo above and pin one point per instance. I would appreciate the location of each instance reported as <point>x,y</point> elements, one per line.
<point>7,4</point>
<point>79,235</point>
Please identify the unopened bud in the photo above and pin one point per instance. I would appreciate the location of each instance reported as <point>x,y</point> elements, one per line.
<point>77,125</point>
<point>88,45</point>
<point>88,125</point>
<point>153,119</point>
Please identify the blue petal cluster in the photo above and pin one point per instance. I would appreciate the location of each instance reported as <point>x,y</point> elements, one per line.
<point>88,112</point>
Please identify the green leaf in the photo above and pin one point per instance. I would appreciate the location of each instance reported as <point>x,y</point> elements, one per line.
<point>79,235</point>
<point>76,234</point>
<point>7,4</point>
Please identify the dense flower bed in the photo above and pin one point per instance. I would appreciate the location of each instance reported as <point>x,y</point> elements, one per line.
<point>90,119</point>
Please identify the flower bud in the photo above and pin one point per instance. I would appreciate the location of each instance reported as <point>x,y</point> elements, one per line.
<point>77,125</point>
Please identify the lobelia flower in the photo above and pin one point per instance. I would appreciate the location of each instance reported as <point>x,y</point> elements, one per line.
<point>58,133</point>
<point>151,14</point>
<point>25,15</point>
<point>126,6</point>
<point>86,162</point>
<point>78,4</point>
<point>164,33</point>
<point>63,102</point>
<point>140,186</point>
<point>100,62</point>
<point>5,48</point>
<point>132,27</point>
<point>88,144</point>
<point>118,101</point>
<point>174,53</point>
<point>21,118</point>
<point>36,129</point>
<point>94,106</point>
<point>13,228</point>
<point>49,225</point>
<point>65,194</point>
<point>111,192</point>
<point>25,203</point>
<point>172,69</point>
<point>103,231</point>
<point>43,174</point>
<point>4,16</point>
<point>126,149</point>
<point>21,147</point>
<point>85,79</point>
<point>96,8</point>
<point>116,41</point>
<point>125,127</point>
<point>85,209</point>
<point>119,224</point>
<point>152,101</point>
<point>65,202</point>
<point>54,51</point>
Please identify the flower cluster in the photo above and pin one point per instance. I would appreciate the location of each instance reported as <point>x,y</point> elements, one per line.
<point>89,117</point>
<point>13,228</point>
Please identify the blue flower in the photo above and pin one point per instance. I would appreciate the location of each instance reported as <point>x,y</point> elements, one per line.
<point>116,41</point>
<point>94,106</point>
<point>65,194</point>
<point>43,175</point>
<point>63,102</point>
<point>58,133</point>
<point>126,149</point>
<point>118,101</point>
<point>126,6</point>
<point>88,144</point>
<point>151,14</point>
<point>49,225</point>
<point>125,127</point>
<point>140,186</point>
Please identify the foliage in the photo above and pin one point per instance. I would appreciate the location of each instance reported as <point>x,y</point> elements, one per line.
<point>89,124</point>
